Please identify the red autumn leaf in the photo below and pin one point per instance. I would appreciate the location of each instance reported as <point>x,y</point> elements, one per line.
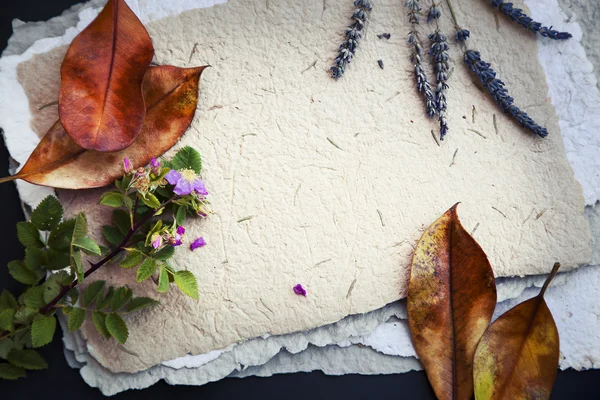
<point>171,94</point>
<point>101,105</point>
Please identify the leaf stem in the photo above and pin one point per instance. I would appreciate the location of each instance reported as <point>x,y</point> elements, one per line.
<point>452,14</point>
<point>94,266</point>
<point>549,279</point>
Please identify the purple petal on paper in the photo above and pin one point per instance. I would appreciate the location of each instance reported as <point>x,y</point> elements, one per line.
<point>299,290</point>
<point>200,242</point>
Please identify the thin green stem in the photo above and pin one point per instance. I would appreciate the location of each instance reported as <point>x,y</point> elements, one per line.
<point>456,25</point>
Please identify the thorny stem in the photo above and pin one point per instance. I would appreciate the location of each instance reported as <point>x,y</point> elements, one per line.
<point>95,266</point>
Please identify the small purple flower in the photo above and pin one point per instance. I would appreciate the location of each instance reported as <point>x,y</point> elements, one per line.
<point>127,165</point>
<point>299,290</point>
<point>177,239</point>
<point>180,230</point>
<point>462,35</point>
<point>186,181</point>
<point>155,166</point>
<point>200,242</point>
<point>157,242</point>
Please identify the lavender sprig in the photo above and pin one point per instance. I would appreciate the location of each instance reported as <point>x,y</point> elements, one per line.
<point>487,76</point>
<point>416,57</point>
<point>439,53</point>
<point>353,33</point>
<point>517,15</point>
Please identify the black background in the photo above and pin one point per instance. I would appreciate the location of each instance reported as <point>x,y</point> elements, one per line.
<point>60,381</point>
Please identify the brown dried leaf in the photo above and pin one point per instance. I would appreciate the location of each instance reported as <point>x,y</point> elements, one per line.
<point>171,95</point>
<point>101,105</point>
<point>517,357</point>
<point>451,299</point>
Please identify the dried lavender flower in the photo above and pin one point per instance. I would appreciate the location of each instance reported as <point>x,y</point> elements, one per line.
<point>386,36</point>
<point>353,34</point>
<point>439,53</point>
<point>517,15</point>
<point>380,63</point>
<point>487,76</point>
<point>433,13</point>
<point>462,35</point>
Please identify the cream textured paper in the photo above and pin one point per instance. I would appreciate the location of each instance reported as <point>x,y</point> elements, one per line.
<point>265,129</point>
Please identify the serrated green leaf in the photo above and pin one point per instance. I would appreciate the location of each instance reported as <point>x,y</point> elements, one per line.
<point>127,202</point>
<point>6,319</point>
<point>99,320</point>
<point>73,295</point>
<point>60,237</point>
<point>121,220</point>
<point>163,280</point>
<point>28,235</point>
<point>80,228</point>
<point>77,265</point>
<point>187,158</point>
<point>146,270</point>
<point>186,281</point>
<point>164,254</point>
<point>42,331</point>
<point>139,303</point>
<point>121,296</point>
<point>51,290</point>
<point>105,302</point>
<point>25,315</point>
<point>150,200</point>
<point>76,318</point>
<point>7,300</point>
<point>34,258</point>
<point>117,328</point>
<point>180,215</point>
<point>34,297</point>
<point>132,259</point>
<point>6,345</point>
<point>56,259</point>
<point>19,271</point>
<point>91,292</point>
<point>111,199</point>
<point>88,246</point>
<point>47,214</point>
<point>28,359</point>
<point>11,372</point>
<point>112,235</point>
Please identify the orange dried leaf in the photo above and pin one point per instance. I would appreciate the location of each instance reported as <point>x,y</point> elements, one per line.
<point>101,105</point>
<point>171,95</point>
<point>451,299</point>
<point>517,357</point>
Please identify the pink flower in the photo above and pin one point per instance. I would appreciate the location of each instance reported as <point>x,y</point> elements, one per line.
<point>157,242</point>
<point>186,182</point>
<point>179,236</point>
<point>127,165</point>
<point>200,242</point>
<point>299,290</point>
<point>155,166</point>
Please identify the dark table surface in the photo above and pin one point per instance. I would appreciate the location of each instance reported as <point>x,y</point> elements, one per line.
<point>60,381</point>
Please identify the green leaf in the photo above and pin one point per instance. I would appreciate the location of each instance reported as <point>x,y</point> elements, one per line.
<point>51,289</point>
<point>56,259</point>
<point>28,235</point>
<point>122,221</point>
<point>132,259</point>
<point>164,254</point>
<point>112,235</point>
<point>34,258</point>
<point>117,328</point>
<point>6,345</point>
<point>76,318</point>
<point>139,303</point>
<point>19,271</point>
<point>99,320</point>
<point>28,359</point>
<point>42,331</point>
<point>77,265</point>
<point>60,238</point>
<point>88,246</point>
<point>187,158</point>
<point>34,297</point>
<point>105,302</point>
<point>146,270</point>
<point>73,295</point>
<point>186,281</point>
<point>47,214</point>
<point>111,199</point>
<point>80,228</point>
<point>6,319</point>
<point>121,296</point>
<point>91,292</point>
<point>7,300</point>
<point>163,280</point>
<point>150,200</point>
<point>25,315</point>
<point>11,372</point>
<point>180,215</point>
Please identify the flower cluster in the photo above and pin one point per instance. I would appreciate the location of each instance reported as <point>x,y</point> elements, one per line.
<point>517,15</point>
<point>354,34</point>
<point>487,76</point>
<point>168,235</point>
<point>433,13</point>
<point>416,57</point>
<point>439,53</point>
<point>462,35</point>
